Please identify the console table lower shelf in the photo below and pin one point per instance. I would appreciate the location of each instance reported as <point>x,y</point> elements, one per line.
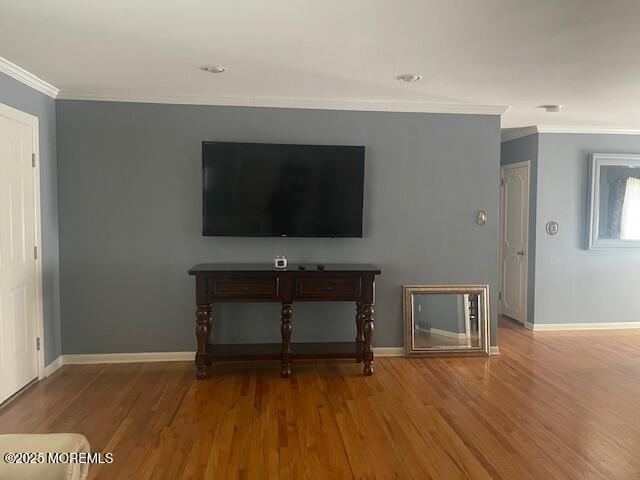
<point>216,283</point>
<point>273,351</point>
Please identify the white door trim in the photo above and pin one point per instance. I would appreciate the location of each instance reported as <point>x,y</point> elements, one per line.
<point>32,121</point>
<point>527,164</point>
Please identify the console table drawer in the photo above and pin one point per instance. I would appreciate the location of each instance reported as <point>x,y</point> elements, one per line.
<point>328,288</point>
<point>254,288</point>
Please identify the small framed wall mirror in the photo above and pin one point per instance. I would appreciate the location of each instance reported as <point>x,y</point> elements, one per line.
<point>615,202</point>
<point>446,319</point>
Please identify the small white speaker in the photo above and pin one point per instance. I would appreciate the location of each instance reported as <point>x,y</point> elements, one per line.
<point>280,262</point>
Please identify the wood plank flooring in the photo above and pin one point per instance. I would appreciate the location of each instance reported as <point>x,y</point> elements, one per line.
<point>554,405</point>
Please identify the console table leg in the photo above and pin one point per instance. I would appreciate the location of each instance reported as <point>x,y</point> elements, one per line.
<point>209,328</point>
<point>203,326</point>
<point>360,332</point>
<point>368,338</point>
<point>285,330</point>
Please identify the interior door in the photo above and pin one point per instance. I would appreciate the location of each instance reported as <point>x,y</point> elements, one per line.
<point>18,330</point>
<point>514,239</point>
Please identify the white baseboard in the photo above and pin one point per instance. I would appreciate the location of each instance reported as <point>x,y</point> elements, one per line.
<point>547,327</point>
<point>389,351</point>
<point>142,357</point>
<point>53,366</point>
<point>446,333</point>
<point>494,350</point>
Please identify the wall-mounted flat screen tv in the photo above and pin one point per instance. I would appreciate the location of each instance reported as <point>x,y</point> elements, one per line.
<point>277,190</point>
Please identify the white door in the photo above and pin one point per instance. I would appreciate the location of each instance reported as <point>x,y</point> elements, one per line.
<point>514,239</point>
<point>18,321</point>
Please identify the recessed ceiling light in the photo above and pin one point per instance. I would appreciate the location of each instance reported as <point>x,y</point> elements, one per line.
<point>213,68</point>
<point>409,77</point>
<point>551,108</point>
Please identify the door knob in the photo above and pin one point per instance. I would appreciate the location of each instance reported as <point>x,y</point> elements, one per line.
<point>521,253</point>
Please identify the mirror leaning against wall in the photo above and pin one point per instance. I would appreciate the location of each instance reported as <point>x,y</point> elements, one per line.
<point>446,319</point>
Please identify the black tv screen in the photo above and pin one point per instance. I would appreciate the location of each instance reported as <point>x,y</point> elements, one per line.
<point>259,189</point>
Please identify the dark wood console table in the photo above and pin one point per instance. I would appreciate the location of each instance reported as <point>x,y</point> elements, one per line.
<point>222,282</point>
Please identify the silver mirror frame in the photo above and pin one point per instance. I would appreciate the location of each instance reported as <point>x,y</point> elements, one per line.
<point>407,313</point>
<point>599,160</point>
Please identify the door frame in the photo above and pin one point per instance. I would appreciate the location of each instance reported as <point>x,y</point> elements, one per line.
<point>511,166</point>
<point>32,121</point>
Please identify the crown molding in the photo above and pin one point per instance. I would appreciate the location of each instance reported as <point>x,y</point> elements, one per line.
<point>286,102</point>
<point>587,130</point>
<point>509,134</point>
<point>29,79</point>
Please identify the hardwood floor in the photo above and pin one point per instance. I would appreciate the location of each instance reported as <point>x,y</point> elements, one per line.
<point>554,405</point>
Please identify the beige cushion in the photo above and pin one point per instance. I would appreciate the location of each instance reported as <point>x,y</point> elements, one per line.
<point>55,443</point>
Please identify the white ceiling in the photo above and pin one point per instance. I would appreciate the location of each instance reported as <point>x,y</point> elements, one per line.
<point>474,54</point>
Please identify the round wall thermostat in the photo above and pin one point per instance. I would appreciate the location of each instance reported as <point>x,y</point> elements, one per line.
<point>552,228</point>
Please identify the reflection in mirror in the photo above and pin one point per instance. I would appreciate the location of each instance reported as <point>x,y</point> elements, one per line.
<point>619,202</point>
<point>445,320</point>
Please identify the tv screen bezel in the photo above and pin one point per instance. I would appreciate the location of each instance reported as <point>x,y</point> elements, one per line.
<point>205,234</point>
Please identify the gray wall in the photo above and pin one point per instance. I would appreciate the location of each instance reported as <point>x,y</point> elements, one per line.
<point>130,218</point>
<point>521,150</point>
<point>575,285</point>
<point>22,97</point>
